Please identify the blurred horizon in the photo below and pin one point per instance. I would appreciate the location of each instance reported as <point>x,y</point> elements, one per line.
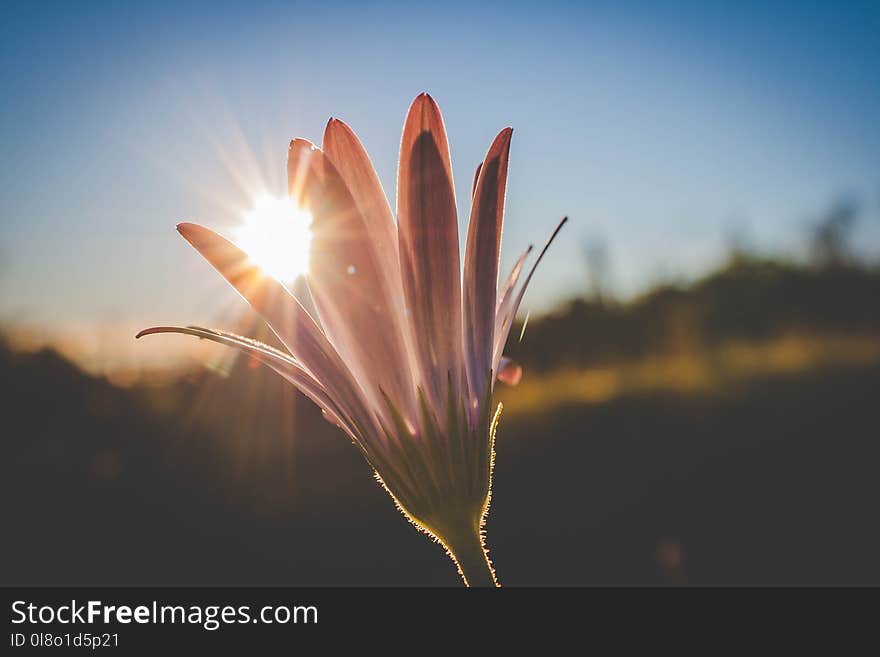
<point>670,134</point>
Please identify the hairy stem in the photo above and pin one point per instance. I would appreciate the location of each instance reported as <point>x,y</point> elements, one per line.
<point>470,554</point>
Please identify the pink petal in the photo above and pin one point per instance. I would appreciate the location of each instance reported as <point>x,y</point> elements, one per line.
<point>476,179</point>
<point>287,318</point>
<point>429,257</point>
<point>280,362</point>
<point>505,301</point>
<point>481,264</point>
<point>511,306</point>
<point>349,282</point>
<point>265,294</point>
<point>350,158</point>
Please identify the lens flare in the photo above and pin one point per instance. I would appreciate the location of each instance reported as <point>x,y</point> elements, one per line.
<point>276,236</point>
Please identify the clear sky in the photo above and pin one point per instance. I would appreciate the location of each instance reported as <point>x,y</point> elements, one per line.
<point>658,127</point>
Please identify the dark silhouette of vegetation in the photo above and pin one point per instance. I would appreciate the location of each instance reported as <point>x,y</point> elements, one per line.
<point>830,244</point>
<point>750,298</point>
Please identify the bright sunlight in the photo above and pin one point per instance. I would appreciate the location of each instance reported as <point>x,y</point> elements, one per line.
<point>275,234</point>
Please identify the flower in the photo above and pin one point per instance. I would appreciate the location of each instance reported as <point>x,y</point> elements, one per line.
<point>399,350</point>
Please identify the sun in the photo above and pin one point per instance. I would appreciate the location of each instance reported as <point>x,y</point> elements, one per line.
<point>276,236</point>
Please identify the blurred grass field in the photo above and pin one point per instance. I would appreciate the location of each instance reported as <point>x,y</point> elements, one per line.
<point>716,369</point>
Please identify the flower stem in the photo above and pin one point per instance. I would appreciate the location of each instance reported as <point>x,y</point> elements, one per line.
<point>470,555</point>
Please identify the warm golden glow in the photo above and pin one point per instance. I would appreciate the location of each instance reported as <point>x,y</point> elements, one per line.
<point>276,236</point>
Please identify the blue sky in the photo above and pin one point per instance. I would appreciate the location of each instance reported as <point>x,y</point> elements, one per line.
<point>659,128</point>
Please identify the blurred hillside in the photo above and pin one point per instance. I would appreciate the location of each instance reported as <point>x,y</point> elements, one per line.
<point>723,432</point>
<point>749,299</point>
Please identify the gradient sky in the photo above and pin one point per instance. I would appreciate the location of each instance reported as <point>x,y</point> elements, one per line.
<point>660,128</point>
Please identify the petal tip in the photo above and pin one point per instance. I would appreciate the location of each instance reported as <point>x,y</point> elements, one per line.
<point>425,102</point>
<point>190,231</point>
<point>186,229</point>
<point>299,142</point>
<point>150,331</point>
<point>504,138</point>
<point>335,128</point>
